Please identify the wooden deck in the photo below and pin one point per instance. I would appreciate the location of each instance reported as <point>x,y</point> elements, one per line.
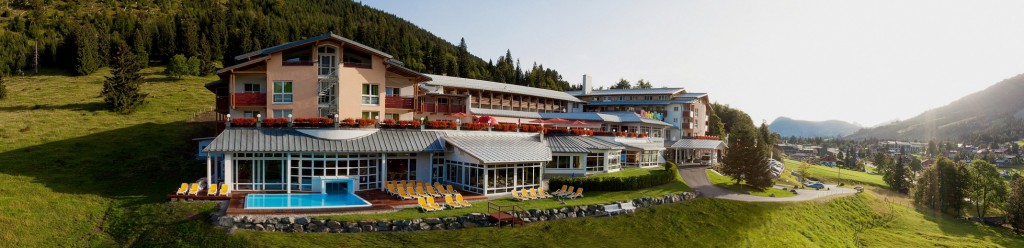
<point>382,202</point>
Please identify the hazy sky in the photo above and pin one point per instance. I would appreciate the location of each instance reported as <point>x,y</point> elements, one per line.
<point>861,61</point>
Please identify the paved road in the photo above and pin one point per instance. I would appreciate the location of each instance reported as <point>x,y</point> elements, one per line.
<point>696,178</point>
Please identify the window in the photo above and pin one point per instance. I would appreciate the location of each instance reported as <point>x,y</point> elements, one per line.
<point>621,98</point>
<point>354,58</point>
<point>594,99</point>
<point>392,91</point>
<point>565,162</point>
<point>442,101</point>
<point>328,60</point>
<point>252,87</point>
<point>282,91</point>
<point>391,116</point>
<point>607,99</point>
<point>282,113</point>
<point>648,98</point>
<point>371,94</point>
<point>370,114</point>
<point>298,57</point>
<point>676,108</point>
<point>250,114</point>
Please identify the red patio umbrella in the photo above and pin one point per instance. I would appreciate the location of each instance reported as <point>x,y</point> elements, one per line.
<point>490,120</point>
<point>579,123</point>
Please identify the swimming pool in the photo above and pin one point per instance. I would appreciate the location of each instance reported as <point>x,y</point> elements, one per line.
<point>286,201</point>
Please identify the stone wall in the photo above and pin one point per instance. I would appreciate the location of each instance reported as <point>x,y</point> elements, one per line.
<point>472,220</point>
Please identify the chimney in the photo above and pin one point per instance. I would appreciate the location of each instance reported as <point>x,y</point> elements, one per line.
<point>588,84</point>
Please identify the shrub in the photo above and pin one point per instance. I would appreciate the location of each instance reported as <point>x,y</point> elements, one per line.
<point>275,122</point>
<point>349,122</point>
<point>441,124</point>
<point>182,66</point>
<point>531,128</point>
<point>243,122</point>
<point>314,122</point>
<point>390,123</point>
<point>556,130</point>
<point>656,178</point>
<point>367,122</point>
<point>507,127</point>
<point>474,126</point>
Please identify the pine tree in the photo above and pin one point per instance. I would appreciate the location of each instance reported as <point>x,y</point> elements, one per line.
<point>464,60</point>
<point>3,87</point>
<point>622,84</point>
<point>86,50</point>
<point>121,90</point>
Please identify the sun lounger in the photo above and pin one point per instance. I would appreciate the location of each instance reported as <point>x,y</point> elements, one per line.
<point>537,193</point>
<point>515,195</point>
<point>564,193</point>
<point>423,205</point>
<point>420,191</point>
<point>432,192</point>
<point>224,190</point>
<point>560,191</point>
<point>440,188</point>
<point>430,201</point>
<point>544,194</point>
<point>462,202</point>
<point>448,199</point>
<point>194,189</point>
<point>212,191</point>
<point>611,209</point>
<point>627,207</point>
<point>578,194</point>
<point>183,189</point>
<point>400,192</point>
<point>451,190</point>
<point>526,194</point>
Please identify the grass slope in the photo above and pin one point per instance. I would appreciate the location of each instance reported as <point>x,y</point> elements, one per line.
<point>700,223</point>
<point>729,183</point>
<point>836,175</point>
<point>72,173</point>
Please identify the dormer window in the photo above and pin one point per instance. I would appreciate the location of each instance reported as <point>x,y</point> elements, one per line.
<point>298,57</point>
<point>354,58</point>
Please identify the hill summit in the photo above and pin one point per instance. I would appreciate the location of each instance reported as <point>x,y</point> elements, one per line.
<point>787,127</point>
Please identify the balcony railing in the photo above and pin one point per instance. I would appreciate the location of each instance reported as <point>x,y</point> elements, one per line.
<point>442,108</point>
<point>251,99</point>
<point>398,102</point>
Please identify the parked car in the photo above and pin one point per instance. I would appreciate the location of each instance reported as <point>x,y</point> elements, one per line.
<point>707,159</point>
<point>815,185</point>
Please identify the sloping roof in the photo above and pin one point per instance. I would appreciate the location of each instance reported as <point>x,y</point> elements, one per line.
<point>492,148</point>
<point>284,46</point>
<point>650,91</point>
<point>646,146</point>
<point>578,144</point>
<point>243,64</point>
<point>697,144</point>
<point>290,140</point>
<point>501,87</point>
<point>641,102</point>
<point>399,68</point>
<point>505,113</point>
<point>617,117</point>
<point>693,95</point>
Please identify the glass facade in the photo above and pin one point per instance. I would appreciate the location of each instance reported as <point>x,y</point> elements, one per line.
<point>641,158</point>
<point>268,171</point>
<point>493,179</point>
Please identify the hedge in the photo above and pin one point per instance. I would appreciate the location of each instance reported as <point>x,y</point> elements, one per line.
<point>618,183</point>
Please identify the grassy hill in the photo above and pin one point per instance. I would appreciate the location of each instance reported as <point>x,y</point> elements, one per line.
<point>787,127</point>
<point>73,174</point>
<point>837,175</point>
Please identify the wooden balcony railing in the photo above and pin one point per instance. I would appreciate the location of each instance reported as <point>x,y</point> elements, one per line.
<point>250,99</point>
<point>442,108</point>
<point>398,102</point>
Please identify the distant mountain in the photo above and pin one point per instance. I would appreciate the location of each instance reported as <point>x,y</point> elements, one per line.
<point>787,127</point>
<point>993,114</point>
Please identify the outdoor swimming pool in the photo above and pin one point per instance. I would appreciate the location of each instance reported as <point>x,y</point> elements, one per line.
<point>286,201</point>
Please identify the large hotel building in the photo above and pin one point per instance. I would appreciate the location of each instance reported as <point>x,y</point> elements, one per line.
<point>329,107</point>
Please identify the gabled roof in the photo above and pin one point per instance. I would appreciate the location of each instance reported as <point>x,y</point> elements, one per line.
<point>649,91</point>
<point>243,64</point>
<point>693,95</point>
<point>330,35</point>
<point>467,83</point>
<point>617,117</point>
<point>579,144</point>
<point>697,144</point>
<point>643,145</point>
<point>399,68</point>
<point>492,148</point>
<point>291,140</point>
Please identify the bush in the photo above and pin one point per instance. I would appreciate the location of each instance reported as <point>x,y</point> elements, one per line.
<point>441,124</point>
<point>507,127</point>
<point>275,122</point>
<point>243,122</point>
<point>618,183</point>
<point>474,126</point>
<point>367,122</point>
<point>313,122</point>
<point>182,66</point>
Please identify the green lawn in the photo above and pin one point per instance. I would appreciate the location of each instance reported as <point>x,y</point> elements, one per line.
<point>729,183</point>
<point>631,172</point>
<point>836,175</point>
<point>699,223</point>
<point>588,198</point>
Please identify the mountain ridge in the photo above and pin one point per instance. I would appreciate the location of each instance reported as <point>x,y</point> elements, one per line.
<point>788,127</point>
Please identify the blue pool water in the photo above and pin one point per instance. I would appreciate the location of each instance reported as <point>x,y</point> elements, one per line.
<point>285,201</point>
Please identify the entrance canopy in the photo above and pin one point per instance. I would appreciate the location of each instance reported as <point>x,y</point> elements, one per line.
<point>698,144</point>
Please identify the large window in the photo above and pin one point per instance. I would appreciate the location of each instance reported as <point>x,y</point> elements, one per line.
<point>392,91</point>
<point>595,162</point>
<point>565,162</point>
<point>370,114</point>
<point>354,58</point>
<point>328,60</point>
<point>250,114</point>
<point>371,94</point>
<point>493,179</point>
<point>252,88</point>
<point>298,57</point>
<point>305,166</point>
<point>282,91</point>
<point>282,113</point>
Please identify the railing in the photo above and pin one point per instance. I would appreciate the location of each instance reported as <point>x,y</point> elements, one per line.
<point>444,108</point>
<point>505,213</point>
<point>251,99</point>
<point>398,102</point>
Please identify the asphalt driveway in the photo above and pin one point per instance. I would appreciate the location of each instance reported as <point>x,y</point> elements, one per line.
<point>696,178</point>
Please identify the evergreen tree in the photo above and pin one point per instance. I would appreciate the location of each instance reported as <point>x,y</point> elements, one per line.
<point>121,90</point>
<point>942,187</point>
<point>86,50</point>
<point>3,87</point>
<point>932,148</point>
<point>622,84</point>
<point>641,84</point>
<point>897,175</point>
<point>1014,206</point>
<point>986,189</point>
<point>206,58</point>
<point>464,60</point>
<point>715,126</point>
<point>747,157</point>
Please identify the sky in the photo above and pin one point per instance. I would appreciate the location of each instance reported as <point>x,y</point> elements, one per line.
<point>867,62</point>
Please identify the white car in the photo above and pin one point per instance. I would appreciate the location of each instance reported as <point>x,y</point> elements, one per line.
<point>707,160</point>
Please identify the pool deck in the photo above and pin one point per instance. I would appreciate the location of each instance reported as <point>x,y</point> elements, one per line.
<point>382,202</point>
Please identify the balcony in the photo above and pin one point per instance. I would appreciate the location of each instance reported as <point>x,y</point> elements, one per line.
<point>442,108</point>
<point>398,102</point>
<point>251,99</point>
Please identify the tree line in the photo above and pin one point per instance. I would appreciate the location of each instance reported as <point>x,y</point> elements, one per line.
<point>82,36</point>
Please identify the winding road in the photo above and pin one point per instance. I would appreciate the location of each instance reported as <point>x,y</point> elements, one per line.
<point>696,178</point>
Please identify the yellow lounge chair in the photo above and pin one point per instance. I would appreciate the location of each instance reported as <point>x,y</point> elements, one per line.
<point>212,190</point>
<point>451,190</point>
<point>224,190</point>
<point>543,193</point>
<point>193,189</point>
<point>430,201</point>
<point>424,206</point>
<point>432,192</point>
<point>183,189</point>
<point>578,194</point>
<point>440,188</point>
<point>390,189</point>
<point>560,191</point>
<point>462,202</point>
<point>515,195</point>
<point>536,193</point>
<point>571,189</point>
<point>448,199</point>
<point>420,191</point>
<point>526,193</point>
<point>401,194</point>
<point>412,191</point>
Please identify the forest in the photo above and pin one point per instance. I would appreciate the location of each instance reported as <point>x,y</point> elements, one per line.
<point>80,36</point>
